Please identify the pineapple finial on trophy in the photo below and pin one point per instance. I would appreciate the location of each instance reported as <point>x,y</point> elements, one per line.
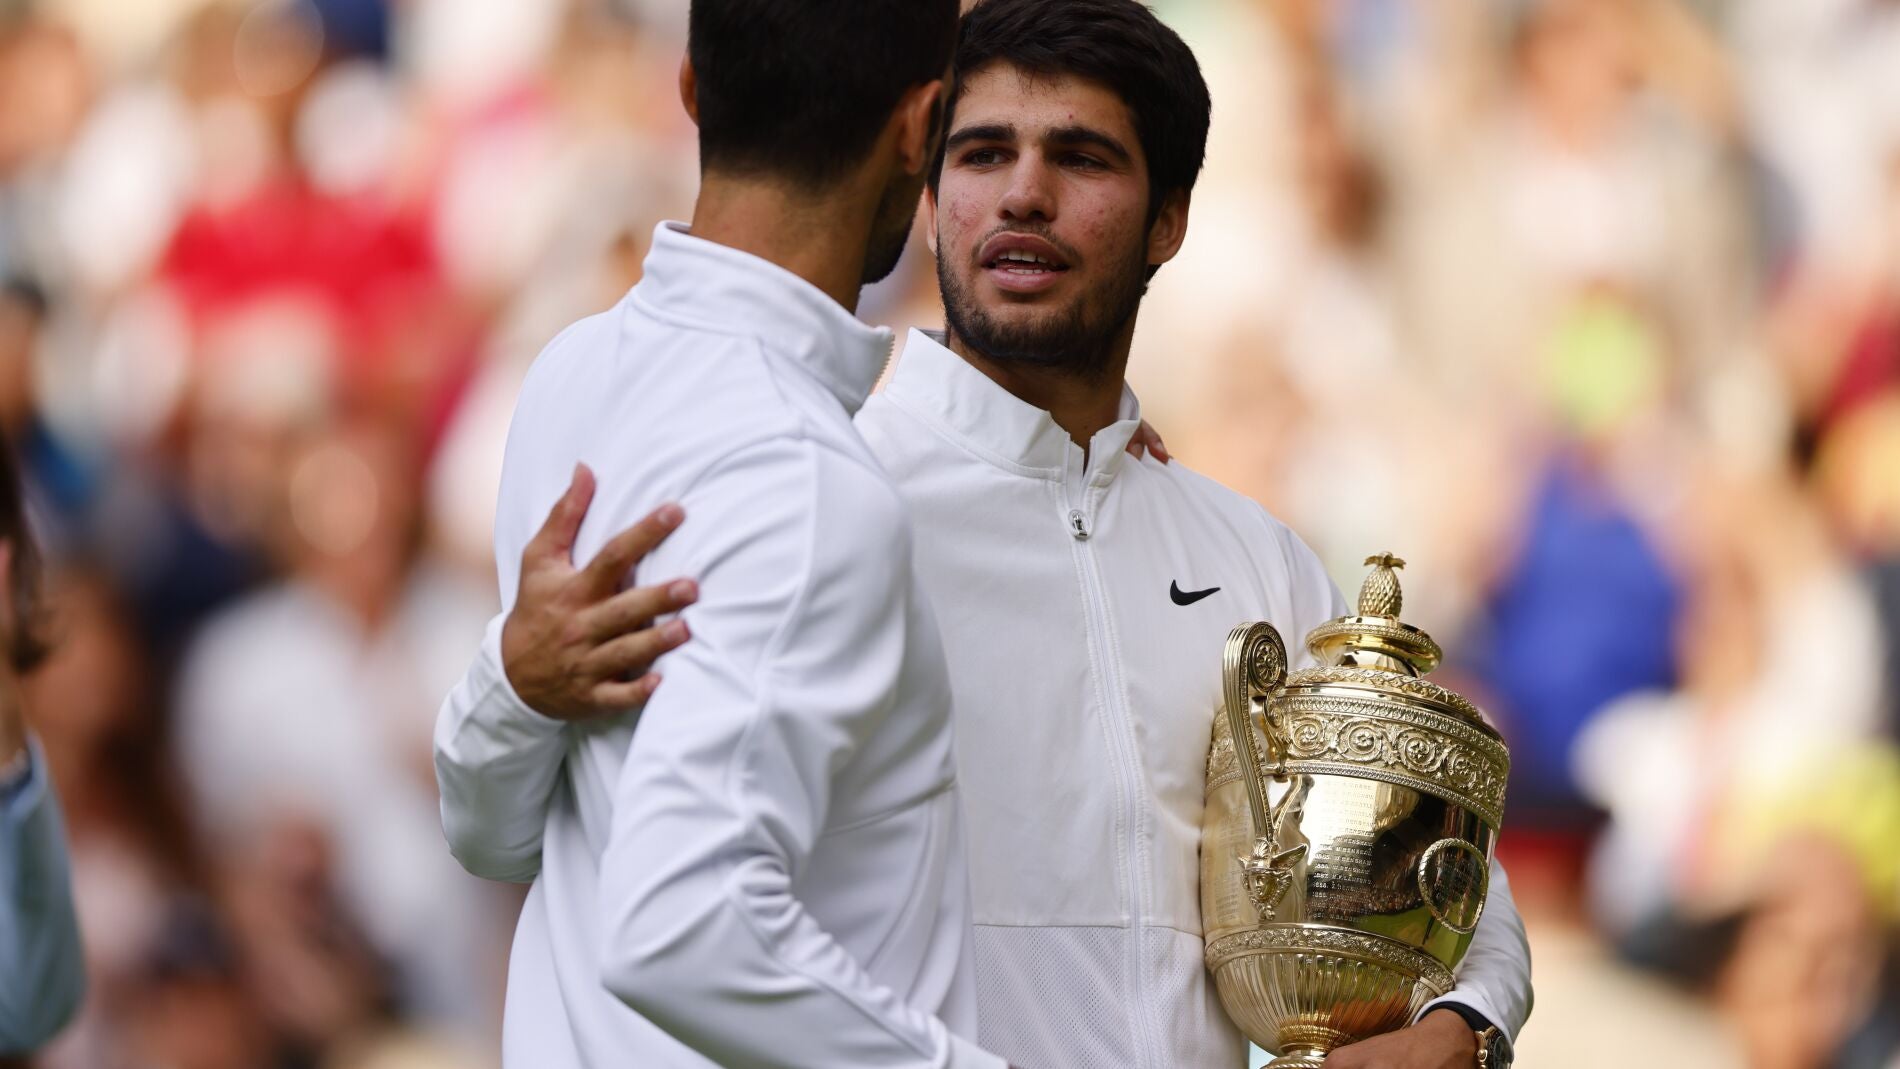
<point>1380,595</point>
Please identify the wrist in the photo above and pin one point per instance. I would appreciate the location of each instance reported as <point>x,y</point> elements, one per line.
<point>1489,1048</point>
<point>1448,1020</point>
<point>502,692</point>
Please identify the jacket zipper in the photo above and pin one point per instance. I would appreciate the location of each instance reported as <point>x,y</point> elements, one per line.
<point>1107,670</point>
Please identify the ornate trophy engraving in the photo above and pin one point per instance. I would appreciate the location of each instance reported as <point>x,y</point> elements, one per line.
<point>1352,809</point>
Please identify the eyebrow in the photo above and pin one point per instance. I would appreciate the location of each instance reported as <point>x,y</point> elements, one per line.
<point>1063,136</point>
<point>1076,136</point>
<point>986,132</point>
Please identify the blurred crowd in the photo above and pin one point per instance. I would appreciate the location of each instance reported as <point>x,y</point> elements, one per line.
<point>1590,309</point>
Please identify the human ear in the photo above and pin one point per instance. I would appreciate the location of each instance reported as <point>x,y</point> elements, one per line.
<point>1169,230</point>
<point>689,89</point>
<point>915,121</point>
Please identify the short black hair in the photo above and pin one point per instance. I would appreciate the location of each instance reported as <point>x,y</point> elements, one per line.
<point>801,89</point>
<point>1116,43</point>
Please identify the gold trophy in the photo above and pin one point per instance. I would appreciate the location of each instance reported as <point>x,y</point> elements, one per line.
<point>1352,810</point>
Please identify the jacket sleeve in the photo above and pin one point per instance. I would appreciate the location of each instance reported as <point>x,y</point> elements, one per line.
<point>1495,977</point>
<point>44,974</point>
<point>799,643</point>
<point>496,765</point>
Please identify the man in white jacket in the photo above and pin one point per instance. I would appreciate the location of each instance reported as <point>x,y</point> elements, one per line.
<point>770,872</point>
<point>1083,594</point>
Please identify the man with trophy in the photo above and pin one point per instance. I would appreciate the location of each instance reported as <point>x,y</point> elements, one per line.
<point>1082,590</point>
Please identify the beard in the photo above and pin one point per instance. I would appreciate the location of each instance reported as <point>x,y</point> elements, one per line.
<point>1077,338</point>
<point>890,231</point>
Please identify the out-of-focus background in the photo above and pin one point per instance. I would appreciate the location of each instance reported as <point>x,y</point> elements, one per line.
<point>1588,308</point>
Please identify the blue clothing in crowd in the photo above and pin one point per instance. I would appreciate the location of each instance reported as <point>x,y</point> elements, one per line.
<point>42,972</point>
<point>1586,614</point>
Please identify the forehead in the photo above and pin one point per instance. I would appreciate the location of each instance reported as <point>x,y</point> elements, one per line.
<point>1004,94</point>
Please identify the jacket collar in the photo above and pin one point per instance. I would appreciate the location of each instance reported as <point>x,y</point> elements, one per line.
<point>713,287</point>
<point>936,384</point>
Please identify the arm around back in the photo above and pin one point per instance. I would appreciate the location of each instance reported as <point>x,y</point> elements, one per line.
<point>496,764</point>
<point>582,647</point>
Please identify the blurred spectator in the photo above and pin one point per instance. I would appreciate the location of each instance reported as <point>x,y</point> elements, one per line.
<point>134,852</point>
<point>1581,616</point>
<point>39,934</point>
<point>1588,175</point>
<point>1751,792</point>
<point>318,763</point>
<point>58,484</point>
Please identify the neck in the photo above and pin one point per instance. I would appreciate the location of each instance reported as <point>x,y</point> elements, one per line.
<point>820,237</point>
<point>1080,402</point>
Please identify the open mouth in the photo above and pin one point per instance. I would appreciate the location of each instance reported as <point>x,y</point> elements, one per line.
<point>1022,263</point>
<point>1025,264</point>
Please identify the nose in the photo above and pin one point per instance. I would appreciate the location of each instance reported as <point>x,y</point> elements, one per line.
<point>1031,195</point>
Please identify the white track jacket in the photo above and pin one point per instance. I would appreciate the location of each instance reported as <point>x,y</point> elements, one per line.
<point>770,871</point>
<point>1085,699</point>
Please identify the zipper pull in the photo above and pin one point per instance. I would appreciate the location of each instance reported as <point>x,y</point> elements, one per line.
<point>1078,525</point>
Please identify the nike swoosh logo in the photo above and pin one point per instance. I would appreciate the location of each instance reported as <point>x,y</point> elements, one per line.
<point>1186,598</point>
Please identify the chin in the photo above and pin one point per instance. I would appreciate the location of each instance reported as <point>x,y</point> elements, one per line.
<point>996,301</point>
<point>1012,313</point>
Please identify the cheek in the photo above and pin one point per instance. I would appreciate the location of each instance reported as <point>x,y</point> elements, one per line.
<point>1108,225</point>
<point>957,225</point>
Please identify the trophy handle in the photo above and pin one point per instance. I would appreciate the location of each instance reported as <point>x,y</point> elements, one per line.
<point>1253,667</point>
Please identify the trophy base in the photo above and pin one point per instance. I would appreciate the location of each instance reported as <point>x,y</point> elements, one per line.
<point>1299,1059</point>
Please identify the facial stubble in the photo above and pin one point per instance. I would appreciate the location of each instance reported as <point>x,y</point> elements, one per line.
<point>1078,339</point>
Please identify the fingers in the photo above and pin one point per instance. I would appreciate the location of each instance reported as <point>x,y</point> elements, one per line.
<point>610,566</point>
<point>631,610</point>
<point>633,655</point>
<point>556,536</point>
<point>1148,441</point>
<point>621,697</point>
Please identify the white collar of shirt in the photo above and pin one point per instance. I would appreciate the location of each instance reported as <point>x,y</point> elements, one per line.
<point>719,288</point>
<point>937,385</point>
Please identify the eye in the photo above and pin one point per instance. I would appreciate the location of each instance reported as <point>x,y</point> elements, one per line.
<point>984,157</point>
<point>1082,162</point>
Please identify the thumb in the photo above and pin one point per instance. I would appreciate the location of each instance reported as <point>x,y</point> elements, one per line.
<point>555,539</point>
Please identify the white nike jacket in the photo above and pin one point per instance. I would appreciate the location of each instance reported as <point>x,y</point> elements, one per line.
<point>1085,698</point>
<point>769,872</point>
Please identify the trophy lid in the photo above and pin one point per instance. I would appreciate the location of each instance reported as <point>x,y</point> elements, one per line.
<point>1374,649</point>
<point>1374,638</point>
